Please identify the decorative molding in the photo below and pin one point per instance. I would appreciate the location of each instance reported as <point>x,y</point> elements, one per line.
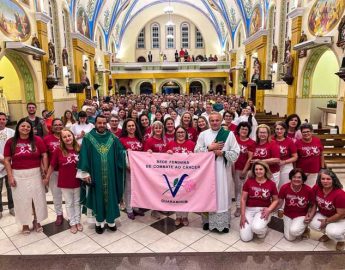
<point>83,39</point>
<point>297,12</point>
<point>257,35</point>
<point>281,40</point>
<point>43,17</point>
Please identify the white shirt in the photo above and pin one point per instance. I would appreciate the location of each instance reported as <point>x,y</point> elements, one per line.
<point>78,128</point>
<point>5,134</point>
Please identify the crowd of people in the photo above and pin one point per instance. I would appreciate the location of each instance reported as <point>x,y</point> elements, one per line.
<point>184,56</point>
<point>82,157</point>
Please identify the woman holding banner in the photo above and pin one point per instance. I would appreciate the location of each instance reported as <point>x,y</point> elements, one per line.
<point>132,141</point>
<point>181,144</point>
<point>156,144</point>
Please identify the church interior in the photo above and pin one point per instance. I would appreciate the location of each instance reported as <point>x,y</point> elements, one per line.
<point>285,55</point>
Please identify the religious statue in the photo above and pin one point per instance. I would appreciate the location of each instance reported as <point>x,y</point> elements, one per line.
<point>275,54</point>
<point>36,43</point>
<point>3,103</point>
<point>244,81</point>
<point>256,72</point>
<point>302,53</point>
<point>51,50</point>
<point>341,33</point>
<point>51,68</point>
<point>64,57</point>
<point>288,68</point>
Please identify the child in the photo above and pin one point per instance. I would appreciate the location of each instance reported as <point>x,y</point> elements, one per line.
<point>65,160</point>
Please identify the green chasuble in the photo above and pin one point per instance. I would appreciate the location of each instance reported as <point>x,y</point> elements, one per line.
<point>103,157</point>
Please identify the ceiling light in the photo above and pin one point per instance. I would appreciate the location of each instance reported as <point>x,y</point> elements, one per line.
<point>168,10</point>
<point>170,23</point>
<point>170,36</point>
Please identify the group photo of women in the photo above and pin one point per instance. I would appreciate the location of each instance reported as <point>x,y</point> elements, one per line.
<point>277,171</point>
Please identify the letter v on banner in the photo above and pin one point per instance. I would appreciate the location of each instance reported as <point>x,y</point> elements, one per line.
<point>180,182</point>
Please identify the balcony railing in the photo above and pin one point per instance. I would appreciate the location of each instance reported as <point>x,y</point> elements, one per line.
<point>170,67</point>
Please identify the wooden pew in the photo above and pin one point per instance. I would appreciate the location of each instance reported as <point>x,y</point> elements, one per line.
<point>334,149</point>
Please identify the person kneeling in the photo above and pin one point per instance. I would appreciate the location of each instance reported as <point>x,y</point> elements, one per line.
<point>259,198</point>
<point>330,202</point>
<point>298,199</point>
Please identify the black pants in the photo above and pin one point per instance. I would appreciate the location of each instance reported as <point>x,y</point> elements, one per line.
<point>9,193</point>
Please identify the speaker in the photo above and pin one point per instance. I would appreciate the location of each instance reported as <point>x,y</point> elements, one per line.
<point>76,88</point>
<point>264,84</point>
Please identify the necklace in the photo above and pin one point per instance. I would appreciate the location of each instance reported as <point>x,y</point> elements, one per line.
<point>294,189</point>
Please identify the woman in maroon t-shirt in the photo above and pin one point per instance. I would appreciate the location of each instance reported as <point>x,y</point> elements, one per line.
<point>187,123</point>
<point>65,160</point>
<point>293,122</point>
<point>330,203</point>
<point>310,154</point>
<point>287,150</point>
<point>144,126</point>
<point>298,199</point>
<point>258,201</point>
<point>267,151</point>
<point>242,164</point>
<point>132,141</point>
<point>181,144</point>
<point>26,163</point>
<point>169,130</point>
<point>202,124</point>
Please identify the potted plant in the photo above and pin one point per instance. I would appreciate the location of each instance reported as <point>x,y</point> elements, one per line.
<point>332,104</point>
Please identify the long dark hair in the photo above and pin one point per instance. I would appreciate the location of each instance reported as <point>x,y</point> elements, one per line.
<point>288,119</point>
<point>16,136</point>
<point>336,184</point>
<point>141,127</point>
<point>124,132</point>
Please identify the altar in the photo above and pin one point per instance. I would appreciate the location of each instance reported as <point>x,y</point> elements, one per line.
<point>328,116</point>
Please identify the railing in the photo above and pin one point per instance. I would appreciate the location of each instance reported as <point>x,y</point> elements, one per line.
<point>170,66</point>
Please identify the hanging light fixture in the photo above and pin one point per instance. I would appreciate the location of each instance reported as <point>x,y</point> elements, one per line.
<point>169,10</point>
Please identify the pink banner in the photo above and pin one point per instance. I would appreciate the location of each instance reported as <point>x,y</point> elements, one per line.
<point>177,182</point>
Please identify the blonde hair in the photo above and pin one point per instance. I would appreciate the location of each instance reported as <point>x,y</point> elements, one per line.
<point>160,124</point>
<point>268,173</point>
<point>268,132</point>
<point>63,147</point>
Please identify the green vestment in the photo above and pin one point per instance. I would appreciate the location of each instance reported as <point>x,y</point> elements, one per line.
<point>103,157</point>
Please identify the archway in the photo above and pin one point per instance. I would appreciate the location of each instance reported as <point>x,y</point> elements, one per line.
<point>17,83</point>
<point>219,89</point>
<point>141,59</point>
<point>146,88</point>
<point>171,87</point>
<point>320,84</point>
<point>195,88</point>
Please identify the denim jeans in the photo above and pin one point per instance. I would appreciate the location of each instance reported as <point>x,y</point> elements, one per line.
<point>9,193</point>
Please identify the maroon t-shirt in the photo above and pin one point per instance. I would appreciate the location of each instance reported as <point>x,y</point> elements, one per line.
<point>52,143</point>
<point>186,147</point>
<point>131,143</point>
<point>67,168</point>
<point>169,137</point>
<point>23,157</point>
<point>328,204</point>
<point>245,147</point>
<point>232,127</point>
<point>117,133</point>
<point>296,203</point>
<point>156,145</point>
<point>259,195</point>
<point>147,133</point>
<point>266,151</point>
<point>286,148</point>
<point>192,134</point>
<point>309,155</point>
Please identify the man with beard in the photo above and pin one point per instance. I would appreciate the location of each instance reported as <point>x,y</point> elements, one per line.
<point>102,167</point>
<point>38,124</point>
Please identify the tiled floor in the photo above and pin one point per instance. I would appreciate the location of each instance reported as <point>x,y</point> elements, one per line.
<point>144,235</point>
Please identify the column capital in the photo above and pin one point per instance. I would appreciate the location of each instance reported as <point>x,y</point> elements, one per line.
<point>83,39</point>
<point>42,17</point>
<point>297,12</point>
<point>255,36</point>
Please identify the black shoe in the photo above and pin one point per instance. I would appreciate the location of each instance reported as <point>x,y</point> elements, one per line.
<point>139,213</point>
<point>99,229</point>
<point>112,228</point>
<point>205,227</point>
<point>225,230</point>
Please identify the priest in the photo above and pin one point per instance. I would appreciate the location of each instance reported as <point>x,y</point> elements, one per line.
<point>226,150</point>
<point>102,166</point>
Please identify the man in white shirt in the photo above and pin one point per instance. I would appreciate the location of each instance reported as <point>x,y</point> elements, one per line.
<point>208,111</point>
<point>5,134</point>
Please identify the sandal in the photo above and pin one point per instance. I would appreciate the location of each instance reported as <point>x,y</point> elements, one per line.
<point>26,230</point>
<point>178,221</point>
<point>185,221</point>
<point>323,238</point>
<point>36,226</point>
<point>340,246</point>
<point>80,227</point>
<point>73,229</point>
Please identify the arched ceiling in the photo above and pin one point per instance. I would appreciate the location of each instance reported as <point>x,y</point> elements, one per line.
<point>114,17</point>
